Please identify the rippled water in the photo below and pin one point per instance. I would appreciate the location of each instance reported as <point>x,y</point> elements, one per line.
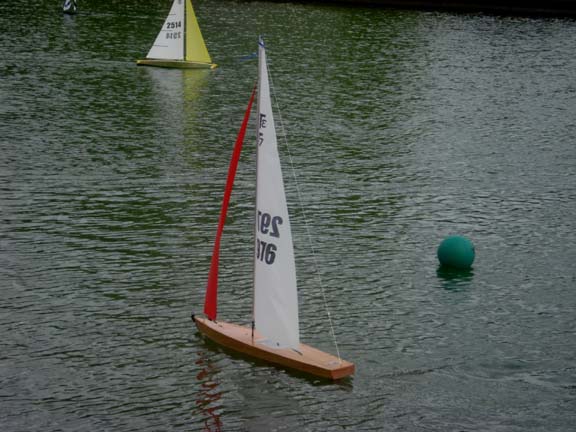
<point>404,127</point>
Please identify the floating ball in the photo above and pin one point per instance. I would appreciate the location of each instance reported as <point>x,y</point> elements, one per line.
<point>457,252</point>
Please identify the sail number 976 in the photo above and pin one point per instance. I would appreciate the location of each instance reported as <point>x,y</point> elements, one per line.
<point>268,225</point>
<point>265,252</point>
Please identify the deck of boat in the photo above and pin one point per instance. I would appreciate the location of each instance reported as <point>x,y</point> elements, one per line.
<point>306,359</point>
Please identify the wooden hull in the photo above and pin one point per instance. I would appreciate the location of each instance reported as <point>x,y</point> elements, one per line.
<point>308,359</point>
<point>179,64</point>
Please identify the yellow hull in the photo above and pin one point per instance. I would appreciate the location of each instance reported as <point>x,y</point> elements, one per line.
<point>179,64</point>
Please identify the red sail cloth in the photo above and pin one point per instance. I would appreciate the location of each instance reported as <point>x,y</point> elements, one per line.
<point>211,301</point>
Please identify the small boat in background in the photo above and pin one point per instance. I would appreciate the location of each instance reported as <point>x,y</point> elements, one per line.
<point>179,43</point>
<point>70,7</point>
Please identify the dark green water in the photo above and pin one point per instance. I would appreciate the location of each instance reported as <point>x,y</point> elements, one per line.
<point>404,128</point>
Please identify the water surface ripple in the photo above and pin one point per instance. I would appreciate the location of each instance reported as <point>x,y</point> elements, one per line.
<point>404,127</point>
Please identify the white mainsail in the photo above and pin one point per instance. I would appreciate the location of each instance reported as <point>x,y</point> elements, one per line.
<point>275,290</point>
<point>169,43</point>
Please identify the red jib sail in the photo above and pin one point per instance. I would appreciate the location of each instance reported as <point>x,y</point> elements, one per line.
<point>211,301</point>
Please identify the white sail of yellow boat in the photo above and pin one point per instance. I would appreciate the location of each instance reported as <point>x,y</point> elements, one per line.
<point>179,43</point>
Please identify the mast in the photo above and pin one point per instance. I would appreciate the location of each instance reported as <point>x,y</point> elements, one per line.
<point>184,31</point>
<point>260,44</point>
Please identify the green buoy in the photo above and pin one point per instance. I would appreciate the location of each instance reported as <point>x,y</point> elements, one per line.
<point>456,252</point>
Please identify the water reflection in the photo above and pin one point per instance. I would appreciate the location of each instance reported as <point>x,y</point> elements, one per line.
<point>177,89</point>
<point>454,279</point>
<point>209,394</point>
<point>403,125</point>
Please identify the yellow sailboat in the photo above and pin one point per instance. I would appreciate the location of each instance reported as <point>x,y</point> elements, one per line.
<point>180,43</point>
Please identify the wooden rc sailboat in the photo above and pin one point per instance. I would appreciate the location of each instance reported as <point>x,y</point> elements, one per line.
<point>274,335</point>
<point>179,43</point>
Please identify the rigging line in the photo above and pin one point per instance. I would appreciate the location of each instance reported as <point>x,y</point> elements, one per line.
<point>301,202</point>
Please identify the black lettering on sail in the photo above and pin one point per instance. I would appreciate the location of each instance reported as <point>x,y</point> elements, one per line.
<point>262,125</point>
<point>263,121</point>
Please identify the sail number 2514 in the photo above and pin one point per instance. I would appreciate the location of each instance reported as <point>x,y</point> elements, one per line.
<point>268,225</point>
<point>171,27</point>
